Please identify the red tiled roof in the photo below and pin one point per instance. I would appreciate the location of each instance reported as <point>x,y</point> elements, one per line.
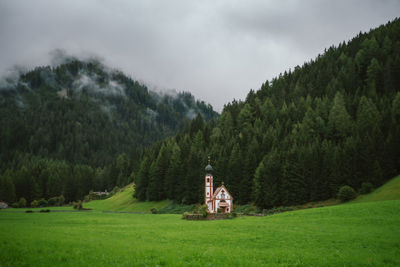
<point>219,189</point>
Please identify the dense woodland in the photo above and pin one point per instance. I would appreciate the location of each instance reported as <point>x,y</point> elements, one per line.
<point>81,126</point>
<point>334,121</point>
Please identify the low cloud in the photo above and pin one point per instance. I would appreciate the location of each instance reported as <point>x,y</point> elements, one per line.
<point>217,50</point>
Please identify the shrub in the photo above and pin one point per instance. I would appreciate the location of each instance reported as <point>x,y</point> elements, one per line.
<point>42,202</point>
<point>53,201</point>
<point>185,215</point>
<point>34,203</point>
<point>15,205</point>
<point>153,210</point>
<point>245,209</point>
<point>78,205</point>
<point>44,210</point>
<point>346,193</point>
<point>22,202</point>
<point>202,209</point>
<point>61,200</point>
<point>115,190</point>
<point>366,188</point>
<point>234,214</point>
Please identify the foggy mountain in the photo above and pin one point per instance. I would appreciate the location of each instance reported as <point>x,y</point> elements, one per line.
<point>85,112</point>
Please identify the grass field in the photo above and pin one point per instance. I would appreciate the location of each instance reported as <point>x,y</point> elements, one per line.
<point>123,201</point>
<point>388,191</point>
<point>364,232</point>
<point>359,234</point>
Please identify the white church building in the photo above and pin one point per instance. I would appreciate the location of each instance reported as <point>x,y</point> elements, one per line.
<point>220,201</point>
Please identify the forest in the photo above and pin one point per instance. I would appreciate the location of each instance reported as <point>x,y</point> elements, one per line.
<point>81,126</point>
<point>333,121</point>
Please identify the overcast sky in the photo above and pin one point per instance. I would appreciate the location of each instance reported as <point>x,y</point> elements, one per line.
<point>217,50</point>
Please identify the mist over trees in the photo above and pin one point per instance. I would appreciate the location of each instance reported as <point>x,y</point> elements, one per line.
<point>81,126</point>
<point>334,121</point>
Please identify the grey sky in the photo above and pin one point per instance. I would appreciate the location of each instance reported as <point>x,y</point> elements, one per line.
<point>218,50</point>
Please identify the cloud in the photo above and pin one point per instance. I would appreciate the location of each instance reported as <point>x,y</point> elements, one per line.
<point>217,50</point>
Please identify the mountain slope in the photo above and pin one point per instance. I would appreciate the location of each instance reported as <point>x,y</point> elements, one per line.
<point>86,113</point>
<point>81,126</point>
<point>123,201</point>
<point>333,121</point>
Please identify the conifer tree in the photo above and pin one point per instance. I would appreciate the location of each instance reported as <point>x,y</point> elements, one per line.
<point>339,120</point>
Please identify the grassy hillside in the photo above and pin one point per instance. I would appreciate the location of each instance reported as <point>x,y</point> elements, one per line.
<point>123,201</point>
<point>358,234</point>
<point>388,191</point>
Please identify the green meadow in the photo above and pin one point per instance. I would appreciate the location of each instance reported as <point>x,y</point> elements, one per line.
<point>359,234</point>
<point>123,201</point>
<point>364,232</point>
<point>388,191</point>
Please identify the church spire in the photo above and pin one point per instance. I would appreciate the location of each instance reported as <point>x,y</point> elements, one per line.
<point>209,168</point>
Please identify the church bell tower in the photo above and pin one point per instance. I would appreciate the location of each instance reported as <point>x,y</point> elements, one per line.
<point>208,186</point>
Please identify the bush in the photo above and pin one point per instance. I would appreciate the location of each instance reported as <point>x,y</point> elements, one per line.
<point>42,202</point>
<point>22,202</point>
<point>61,200</point>
<point>78,205</point>
<point>185,215</point>
<point>346,193</point>
<point>44,211</point>
<point>15,205</point>
<point>202,209</point>
<point>34,203</point>
<point>245,209</point>
<point>53,201</point>
<point>366,188</point>
<point>115,190</point>
<point>153,210</point>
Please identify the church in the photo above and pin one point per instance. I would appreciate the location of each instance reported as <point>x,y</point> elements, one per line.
<point>220,201</point>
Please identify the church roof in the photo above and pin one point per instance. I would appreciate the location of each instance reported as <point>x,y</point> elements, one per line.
<point>219,189</point>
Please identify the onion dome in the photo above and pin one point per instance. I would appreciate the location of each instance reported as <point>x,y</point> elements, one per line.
<point>209,168</point>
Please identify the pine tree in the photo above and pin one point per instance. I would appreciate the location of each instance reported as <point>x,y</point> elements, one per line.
<point>7,188</point>
<point>267,178</point>
<point>174,178</point>
<point>235,174</point>
<point>339,120</point>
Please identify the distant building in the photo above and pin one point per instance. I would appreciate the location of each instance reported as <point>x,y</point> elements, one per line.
<point>220,201</point>
<point>100,193</point>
